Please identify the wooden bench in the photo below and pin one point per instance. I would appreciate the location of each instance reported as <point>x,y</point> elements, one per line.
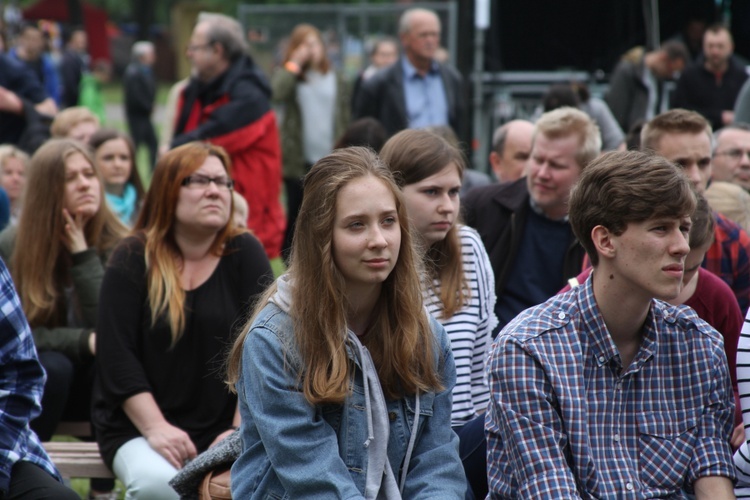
<point>79,429</point>
<point>77,459</point>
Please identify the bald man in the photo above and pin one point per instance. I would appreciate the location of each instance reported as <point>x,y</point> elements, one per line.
<point>511,146</point>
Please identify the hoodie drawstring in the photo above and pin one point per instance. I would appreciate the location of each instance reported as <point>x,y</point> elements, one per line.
<point>366,383</point>
<point>410,448</point>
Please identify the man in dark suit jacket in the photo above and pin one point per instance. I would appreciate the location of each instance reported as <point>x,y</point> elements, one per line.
<point>416,91</point>
<point>140,94</point>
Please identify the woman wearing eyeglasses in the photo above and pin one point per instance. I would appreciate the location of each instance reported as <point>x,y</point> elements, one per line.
<point>170,298</point>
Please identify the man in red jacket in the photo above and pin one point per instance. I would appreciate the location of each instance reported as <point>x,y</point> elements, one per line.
<point>227,103</point>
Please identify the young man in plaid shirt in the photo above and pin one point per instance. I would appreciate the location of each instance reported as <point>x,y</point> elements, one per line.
<point>605,391</point>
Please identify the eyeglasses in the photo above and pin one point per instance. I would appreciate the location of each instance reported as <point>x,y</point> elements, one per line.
<point>197,46</point>
<point>203,181</point>
<point>735,154</point>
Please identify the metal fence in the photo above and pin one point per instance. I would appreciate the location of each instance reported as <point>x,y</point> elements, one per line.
<point>348,29</point>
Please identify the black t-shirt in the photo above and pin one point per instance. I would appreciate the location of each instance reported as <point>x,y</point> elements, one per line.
<point>186,379</point>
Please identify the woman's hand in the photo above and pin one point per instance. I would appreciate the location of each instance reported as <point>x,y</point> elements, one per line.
<point>75,238</point>
<point>172,443</point>
<point>301,55</point>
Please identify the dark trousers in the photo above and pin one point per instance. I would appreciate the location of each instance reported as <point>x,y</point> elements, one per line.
<point>142,131</point>
<point>30,482</point>
<point>293,187</point>
<point>472,448</point>
<point>67,396</point>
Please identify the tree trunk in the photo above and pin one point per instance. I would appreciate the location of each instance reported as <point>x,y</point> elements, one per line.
<point>143,11</point>
<point>75,13</point>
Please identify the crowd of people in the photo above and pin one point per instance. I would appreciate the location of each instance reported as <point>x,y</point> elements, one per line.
<point>568,326</point>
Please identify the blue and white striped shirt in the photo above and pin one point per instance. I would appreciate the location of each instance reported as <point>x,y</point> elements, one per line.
<point>567,421</point>
<point>470,329</point>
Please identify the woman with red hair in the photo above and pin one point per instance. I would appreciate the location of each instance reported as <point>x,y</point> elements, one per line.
<point>169,300</point>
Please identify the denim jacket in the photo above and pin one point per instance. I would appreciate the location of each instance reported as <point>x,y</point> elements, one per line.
<point>291,449</point>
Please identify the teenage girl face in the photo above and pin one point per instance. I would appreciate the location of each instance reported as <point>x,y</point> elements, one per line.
<point>433,203</point>
<point>82,188</point>
<point>114,161</point>
<point>366,234</point>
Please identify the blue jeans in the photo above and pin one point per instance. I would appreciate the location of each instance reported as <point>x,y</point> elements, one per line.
<point>472,449</point>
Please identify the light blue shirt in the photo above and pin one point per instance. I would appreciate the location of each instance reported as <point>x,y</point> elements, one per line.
<point>426,103</point>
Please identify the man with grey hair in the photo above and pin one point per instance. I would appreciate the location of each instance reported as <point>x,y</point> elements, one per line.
<point>416,91</point>
<point>524,224</point>
<point>511,147</point>
<point>140,93</point>
<point>227,103</point>
<point>731,155</point>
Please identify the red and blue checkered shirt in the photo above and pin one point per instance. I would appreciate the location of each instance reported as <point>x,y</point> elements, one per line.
<point>564,422</point>
<point>728,257</point>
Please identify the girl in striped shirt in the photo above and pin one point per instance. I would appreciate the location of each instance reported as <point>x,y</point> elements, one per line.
<point>459,286</point>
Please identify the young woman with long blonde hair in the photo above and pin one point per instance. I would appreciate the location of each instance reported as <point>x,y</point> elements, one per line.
<point>344,382</point>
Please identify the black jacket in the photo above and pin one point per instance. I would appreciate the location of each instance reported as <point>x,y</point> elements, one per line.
<point>140,90</point>
<point>498,212</point>
<point>382,97</point>
<point>698,90</point>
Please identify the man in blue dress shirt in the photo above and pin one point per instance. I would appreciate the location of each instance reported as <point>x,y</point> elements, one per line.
<point>416,91</point>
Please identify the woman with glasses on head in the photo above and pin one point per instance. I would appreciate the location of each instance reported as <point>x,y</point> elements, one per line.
<point>170,297</point>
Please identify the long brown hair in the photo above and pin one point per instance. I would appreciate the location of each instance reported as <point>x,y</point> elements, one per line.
<point>41,263</point>
<point>298,37</point>
<point>414,155</point>
<point>156,223</point>
<point>400,340</point>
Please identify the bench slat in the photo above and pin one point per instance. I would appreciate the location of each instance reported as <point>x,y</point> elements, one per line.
<point>77,459</point>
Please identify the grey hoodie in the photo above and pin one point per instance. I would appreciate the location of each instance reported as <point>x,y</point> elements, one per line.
<point>380,484</point>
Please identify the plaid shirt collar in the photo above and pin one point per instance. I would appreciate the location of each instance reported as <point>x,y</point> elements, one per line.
<point>603,348</point>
